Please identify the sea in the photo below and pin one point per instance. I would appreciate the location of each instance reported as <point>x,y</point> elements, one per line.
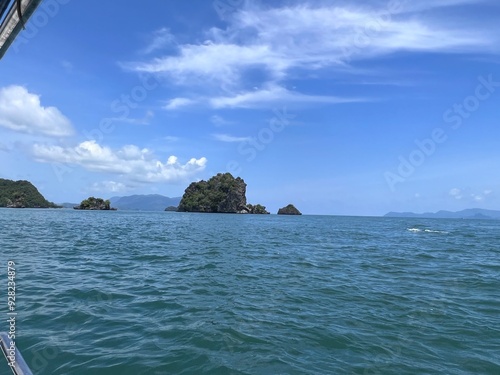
<point>126,292</point>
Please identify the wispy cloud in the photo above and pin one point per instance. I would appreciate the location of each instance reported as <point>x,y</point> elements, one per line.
<point>309,37</point>
<point>171,139</point>
<point>456,193</point>
<point>219,63</point>
<point>130,161</point>
<point>108,186</point>
<point>178,103</point>
<point>22,111</point>
<point>423,5</point>
<point>220,121</point>
<point>67,66</point>
<point>146,120</point>
<point>160,39</point>
<point>230,138</point>
<point>259,98</point>
<point>273,95</point>
<point>460,194</point>
<point>481,196</point>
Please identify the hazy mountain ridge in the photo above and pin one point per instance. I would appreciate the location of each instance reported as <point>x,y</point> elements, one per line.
<point>150,202</point>
<point>68,205</point>
<point>470,213</point>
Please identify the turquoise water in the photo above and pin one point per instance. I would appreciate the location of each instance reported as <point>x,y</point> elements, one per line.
<point>169,293</point>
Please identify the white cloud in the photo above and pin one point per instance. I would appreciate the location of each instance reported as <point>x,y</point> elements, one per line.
<point>130,161</point>
<point>109,186</point>
<point>178,103</point>
<point>230,138</point>
<point>321,35</point>
<point>220,121</point>
<point>21,111</point>
<point>272,95</point>
<point>477,198</point>
<point>161,38</point>
<point>422,5</point>
<point>259,98</point>
<point>469,195</point>
<point>145,120</point>
<point>456,193</point>
<point>482,196</point>
<point>171,139</point>
<point>217,62</point>
<point>67,66</point>
<point>304,38</point>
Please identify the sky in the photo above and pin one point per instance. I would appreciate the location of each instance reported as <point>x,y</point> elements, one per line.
<point>339,107</point>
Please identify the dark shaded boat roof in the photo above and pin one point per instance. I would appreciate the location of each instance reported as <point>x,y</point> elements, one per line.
<point>13,16</point>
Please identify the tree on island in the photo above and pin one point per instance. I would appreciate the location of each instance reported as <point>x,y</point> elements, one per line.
<point>256,209</point>
<point>22,194</point>
<point>92,203</point>
<point>220,194</point>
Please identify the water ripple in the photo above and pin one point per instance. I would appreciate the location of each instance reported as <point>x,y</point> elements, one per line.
<point>158,293</point>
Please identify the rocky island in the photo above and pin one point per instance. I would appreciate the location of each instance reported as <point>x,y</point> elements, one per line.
<point>95,204</point>
<point>220,194</point>
<point>22,194</point>
<point>257,209</point>
<point>289,210</point>
<point>171,208</point>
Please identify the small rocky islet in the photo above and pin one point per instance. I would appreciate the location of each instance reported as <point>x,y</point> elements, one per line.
<point>95,204</point>
<point>223,194</point>
<point>289,210</point>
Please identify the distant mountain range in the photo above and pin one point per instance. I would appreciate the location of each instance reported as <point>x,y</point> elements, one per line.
<point>69,205</point>
<point>151,202</point>
<point>471,213</point>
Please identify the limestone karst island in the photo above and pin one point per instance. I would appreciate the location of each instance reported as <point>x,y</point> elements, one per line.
<point>289,210</point>
<point>92,203</point>
<point>22,194</point>
<point>224,194</point>
<point>220,194</point>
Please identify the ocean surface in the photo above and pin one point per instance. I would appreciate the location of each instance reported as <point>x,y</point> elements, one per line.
<point>175,293</point>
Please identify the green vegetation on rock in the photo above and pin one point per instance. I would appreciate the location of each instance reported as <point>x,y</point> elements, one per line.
<point>22,194</point>
<point>289,210</point>
<point>92,203</point>
<point>256,209</point>
<point>222,193</point>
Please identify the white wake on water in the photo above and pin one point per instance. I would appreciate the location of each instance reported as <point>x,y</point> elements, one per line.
<point>417,230</point>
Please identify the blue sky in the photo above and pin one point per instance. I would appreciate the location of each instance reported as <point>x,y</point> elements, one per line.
<point>340,107</point>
